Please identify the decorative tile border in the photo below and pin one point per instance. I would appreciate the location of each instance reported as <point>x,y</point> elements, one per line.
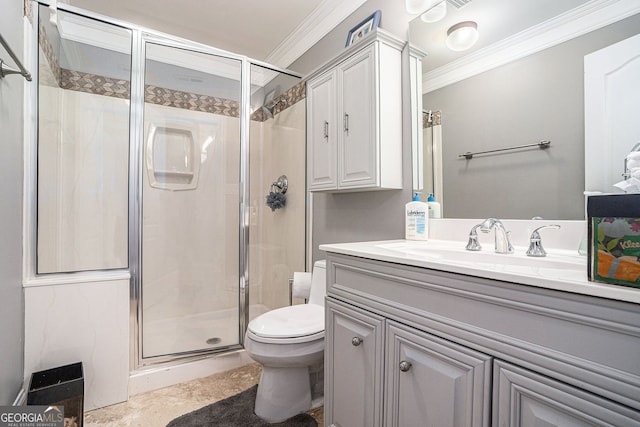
<point>98,85</point>
<point>119,88</point>
<point>106,86</point>
<point>436,119</point>
<point>290,97</point>
<point>27,11</point>
<point>191,101</point>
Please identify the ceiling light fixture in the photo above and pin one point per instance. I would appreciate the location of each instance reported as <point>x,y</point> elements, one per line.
<point>462,36</point>
<point>436,13</point>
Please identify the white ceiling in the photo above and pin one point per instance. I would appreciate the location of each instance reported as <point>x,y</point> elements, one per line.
<point>274,31</point>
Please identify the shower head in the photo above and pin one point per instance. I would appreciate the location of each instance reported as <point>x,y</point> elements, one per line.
<point>267,109</point>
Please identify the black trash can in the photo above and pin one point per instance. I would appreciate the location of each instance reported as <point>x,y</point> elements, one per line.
<point>62,386</point>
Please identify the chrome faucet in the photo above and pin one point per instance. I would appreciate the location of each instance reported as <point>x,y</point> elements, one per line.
<point>535,242</point>
<point>503,245</point>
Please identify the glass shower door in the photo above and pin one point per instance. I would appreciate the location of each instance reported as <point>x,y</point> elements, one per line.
<point>190,202</point>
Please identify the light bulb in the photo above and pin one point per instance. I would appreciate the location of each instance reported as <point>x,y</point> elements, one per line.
<point>462,36</point>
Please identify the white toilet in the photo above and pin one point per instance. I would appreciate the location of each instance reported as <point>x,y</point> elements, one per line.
<point>289,343</point>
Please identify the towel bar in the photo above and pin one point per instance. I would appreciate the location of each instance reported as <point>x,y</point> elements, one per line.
<point>542,145</point>
<point>5,69</point>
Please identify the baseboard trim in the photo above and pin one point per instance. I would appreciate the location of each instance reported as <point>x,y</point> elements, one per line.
<point>21,398</point>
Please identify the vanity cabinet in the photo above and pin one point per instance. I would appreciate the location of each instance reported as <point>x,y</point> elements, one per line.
<point>354,118</point>
<point>408,346</point>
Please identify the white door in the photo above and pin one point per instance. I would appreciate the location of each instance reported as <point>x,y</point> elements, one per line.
<point>611,104</point>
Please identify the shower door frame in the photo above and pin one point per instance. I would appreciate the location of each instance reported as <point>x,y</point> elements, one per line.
<point>138,65</point>
<point>139,37</point>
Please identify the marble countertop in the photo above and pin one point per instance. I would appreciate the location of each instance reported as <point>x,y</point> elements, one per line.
<point>561,269</point>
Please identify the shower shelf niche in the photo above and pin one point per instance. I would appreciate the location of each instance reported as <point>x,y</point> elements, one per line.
<point>171,157</point>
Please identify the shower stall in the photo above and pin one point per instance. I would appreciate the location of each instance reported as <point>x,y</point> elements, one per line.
<point>154,159</point>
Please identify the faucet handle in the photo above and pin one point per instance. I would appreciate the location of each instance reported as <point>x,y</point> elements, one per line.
<point>535,242</point>
<point>473,244</point>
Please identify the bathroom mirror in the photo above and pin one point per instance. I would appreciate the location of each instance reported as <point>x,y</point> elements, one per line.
<point>520,84</point>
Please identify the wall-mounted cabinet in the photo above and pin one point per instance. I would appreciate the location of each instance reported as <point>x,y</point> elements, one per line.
<point>354,118</point>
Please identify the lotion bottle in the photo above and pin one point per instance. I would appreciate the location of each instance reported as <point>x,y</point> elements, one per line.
<point>416,219</point>
<point>434,207</point>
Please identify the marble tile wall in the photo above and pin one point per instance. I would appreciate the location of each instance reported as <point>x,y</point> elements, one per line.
<point>277,238</point>
<point>81,322</point>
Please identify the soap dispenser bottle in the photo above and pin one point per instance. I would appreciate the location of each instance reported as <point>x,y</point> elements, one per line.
<point>416,219</point>
<point>434,207</point>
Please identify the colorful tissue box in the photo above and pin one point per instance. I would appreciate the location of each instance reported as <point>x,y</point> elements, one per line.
<point>614,236</point>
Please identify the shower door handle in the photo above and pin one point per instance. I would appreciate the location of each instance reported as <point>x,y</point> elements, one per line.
<point>326,129</point>
<point>346,122</point>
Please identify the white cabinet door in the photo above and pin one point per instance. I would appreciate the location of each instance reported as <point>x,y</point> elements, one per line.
<point>358,150</point>
<point>353,367</point>
<point>434,382</point>
<point>525,399</point>
<point>321,132</point>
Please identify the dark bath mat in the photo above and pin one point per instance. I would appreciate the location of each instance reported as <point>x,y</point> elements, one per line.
<point>236,411</point>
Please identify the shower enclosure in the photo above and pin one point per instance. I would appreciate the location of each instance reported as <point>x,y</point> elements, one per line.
<point>155,156</point>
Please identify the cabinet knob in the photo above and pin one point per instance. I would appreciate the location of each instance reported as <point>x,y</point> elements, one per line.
<point>326,129</point>
<point>356,341</point>
<point>405,366</point>
<point>346,122</point>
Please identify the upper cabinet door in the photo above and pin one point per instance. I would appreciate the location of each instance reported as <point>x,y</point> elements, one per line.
<point>358,152</point>
<point>321,132</point>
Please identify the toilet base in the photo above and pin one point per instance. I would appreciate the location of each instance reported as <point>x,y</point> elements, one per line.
<point>282,393</point>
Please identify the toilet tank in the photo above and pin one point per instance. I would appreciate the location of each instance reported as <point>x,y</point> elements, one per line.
<point>318,283</point>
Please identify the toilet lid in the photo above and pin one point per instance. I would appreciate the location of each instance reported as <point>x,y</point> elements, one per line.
<point>289,322</point>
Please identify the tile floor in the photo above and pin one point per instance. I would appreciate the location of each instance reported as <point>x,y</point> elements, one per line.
<point>157,408</point>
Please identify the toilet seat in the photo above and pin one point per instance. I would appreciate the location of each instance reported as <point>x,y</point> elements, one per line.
<point>289,324</point>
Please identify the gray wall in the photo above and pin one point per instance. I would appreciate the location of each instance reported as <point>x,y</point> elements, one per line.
<point>11,296</point>
<point>535,98</point>
<point>373,215</point>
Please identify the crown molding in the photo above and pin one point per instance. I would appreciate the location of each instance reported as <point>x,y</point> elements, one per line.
<point>324,18</point>
<point>591,16</point>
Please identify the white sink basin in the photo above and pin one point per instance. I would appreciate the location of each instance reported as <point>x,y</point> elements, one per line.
<point>558,264</point>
